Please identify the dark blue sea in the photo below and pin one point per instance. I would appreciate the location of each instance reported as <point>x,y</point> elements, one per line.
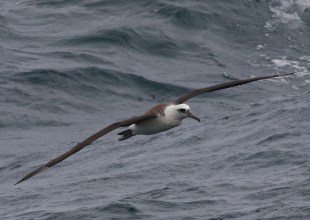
<point>70,68</point>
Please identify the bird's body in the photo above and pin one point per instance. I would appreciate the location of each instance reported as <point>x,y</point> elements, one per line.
<point>160,118</point>
<point>154,125</point>
<point>167,117</point>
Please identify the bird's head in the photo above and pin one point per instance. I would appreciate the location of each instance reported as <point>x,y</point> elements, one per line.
<point>179,112</point>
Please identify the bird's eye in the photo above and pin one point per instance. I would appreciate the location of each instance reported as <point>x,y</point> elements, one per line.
<point>183,110</point>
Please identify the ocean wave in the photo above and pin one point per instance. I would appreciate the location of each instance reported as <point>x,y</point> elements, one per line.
<point>91,81</point>
<point>290,14</point>
<point>142,39</point>
<point>61,92</point>
<point>190,17</point>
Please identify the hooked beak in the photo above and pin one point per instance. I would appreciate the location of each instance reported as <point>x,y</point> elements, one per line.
<point>191,115</point>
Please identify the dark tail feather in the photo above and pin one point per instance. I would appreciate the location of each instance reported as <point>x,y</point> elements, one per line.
<point>126,134</point>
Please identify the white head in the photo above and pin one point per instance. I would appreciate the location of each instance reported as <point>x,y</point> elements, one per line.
<point>179,112</point>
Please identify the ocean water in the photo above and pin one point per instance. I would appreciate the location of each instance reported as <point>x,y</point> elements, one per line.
<point>70,68</point>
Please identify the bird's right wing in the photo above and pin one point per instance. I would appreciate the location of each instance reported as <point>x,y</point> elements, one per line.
<point>225,85</point>
<point>86,142</point>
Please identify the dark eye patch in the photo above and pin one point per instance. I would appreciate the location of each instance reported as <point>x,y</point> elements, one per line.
<point>183,110</point>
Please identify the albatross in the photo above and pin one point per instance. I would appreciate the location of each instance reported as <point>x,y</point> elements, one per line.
<point>159,118</point>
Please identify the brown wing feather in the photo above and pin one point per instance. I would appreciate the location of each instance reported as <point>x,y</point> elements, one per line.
<point>86,142</point>
<point>225,85</point>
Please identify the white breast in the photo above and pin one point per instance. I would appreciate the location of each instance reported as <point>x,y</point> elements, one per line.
<point>153,126</point>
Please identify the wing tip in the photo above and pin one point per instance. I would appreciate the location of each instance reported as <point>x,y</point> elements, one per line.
<point>18,182</point>
<point>33,173</point>
<point>286,74</point>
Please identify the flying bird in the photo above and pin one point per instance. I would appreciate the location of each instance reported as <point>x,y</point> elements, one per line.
<point>160,118</point>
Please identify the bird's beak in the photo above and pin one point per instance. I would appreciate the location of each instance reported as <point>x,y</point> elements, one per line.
<point>191,115</point>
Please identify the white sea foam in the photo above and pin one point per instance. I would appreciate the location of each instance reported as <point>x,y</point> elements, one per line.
<point>300,66</point>
<point>287,12</point>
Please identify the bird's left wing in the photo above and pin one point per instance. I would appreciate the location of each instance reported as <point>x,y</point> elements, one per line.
<point>86,142</point>
<point>225,85</point>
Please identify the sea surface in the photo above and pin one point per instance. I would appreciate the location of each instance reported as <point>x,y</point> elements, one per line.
<point>71,67</point>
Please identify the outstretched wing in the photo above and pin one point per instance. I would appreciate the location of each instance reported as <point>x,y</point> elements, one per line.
<point>225,85</point>
<point>86,142</point>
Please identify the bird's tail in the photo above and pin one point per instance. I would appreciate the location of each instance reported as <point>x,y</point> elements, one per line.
<point>126,134</point>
